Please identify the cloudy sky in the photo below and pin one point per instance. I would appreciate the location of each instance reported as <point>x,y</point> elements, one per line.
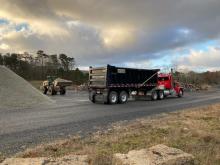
<point>133,33</point>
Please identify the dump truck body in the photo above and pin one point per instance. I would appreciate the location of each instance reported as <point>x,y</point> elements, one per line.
<point>117,77</point>
<point>115,84</point>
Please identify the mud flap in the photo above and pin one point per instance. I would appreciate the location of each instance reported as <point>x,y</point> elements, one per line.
<point>105,97</point>
<point>92,95</point>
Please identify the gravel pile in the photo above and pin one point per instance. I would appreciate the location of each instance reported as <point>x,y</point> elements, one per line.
<point>15,92</point>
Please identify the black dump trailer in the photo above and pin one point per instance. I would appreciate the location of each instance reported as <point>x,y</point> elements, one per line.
<point>115,84</point>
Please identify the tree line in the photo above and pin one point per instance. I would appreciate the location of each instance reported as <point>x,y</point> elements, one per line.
<point>211,78</point>
<point>41,65</point>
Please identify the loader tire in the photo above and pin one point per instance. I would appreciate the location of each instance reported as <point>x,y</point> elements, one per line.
<point>45,90</point>
<point>52,91</point>
<point>62,91</point>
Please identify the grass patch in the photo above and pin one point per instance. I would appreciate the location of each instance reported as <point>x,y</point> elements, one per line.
<point>195,131</point>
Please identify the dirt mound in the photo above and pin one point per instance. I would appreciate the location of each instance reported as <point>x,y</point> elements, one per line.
<point>15,92</point>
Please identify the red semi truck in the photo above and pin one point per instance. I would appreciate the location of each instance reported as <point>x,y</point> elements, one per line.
<point>115,84</point>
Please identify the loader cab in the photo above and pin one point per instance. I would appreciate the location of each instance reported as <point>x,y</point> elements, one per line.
<point>51,78</point>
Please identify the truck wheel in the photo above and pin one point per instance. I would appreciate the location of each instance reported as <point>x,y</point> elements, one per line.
<point>180,94</point>
<point>113,97</point>
<point>123,97</point>
<point>161,95</point>
<point>92,96</point>
<point>93,99</point>
<point>154,96</point>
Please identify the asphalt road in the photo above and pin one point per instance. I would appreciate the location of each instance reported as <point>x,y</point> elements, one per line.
<point>74,114</point>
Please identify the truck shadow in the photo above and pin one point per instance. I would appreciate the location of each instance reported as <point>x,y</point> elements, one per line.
<point>149,99</point>
<point>143,99</point>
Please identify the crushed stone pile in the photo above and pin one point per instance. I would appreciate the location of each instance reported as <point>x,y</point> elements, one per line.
<point>15,92</point>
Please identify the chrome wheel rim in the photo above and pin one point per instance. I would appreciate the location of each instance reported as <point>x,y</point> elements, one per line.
<point>114,98</point>
<point>155,96</point>
<point>161,95</point>
<point>123,98</point>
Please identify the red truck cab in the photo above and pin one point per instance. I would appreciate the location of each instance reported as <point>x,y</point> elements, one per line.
<point>170,86</point>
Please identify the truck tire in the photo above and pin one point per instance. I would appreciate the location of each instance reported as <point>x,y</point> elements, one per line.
<point>93,99</point>
<point>180,94</point>
<point>113,97</point>
<point>154,96</point>
<point>123,97</point>
<point>62,91</point>
<point>160,95</point>
<point>92,96</point>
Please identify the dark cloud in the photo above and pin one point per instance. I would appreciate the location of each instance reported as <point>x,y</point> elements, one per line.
<point>112,31</point>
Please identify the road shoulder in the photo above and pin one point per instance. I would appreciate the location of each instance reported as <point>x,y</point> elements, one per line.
<point>195,131</point>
